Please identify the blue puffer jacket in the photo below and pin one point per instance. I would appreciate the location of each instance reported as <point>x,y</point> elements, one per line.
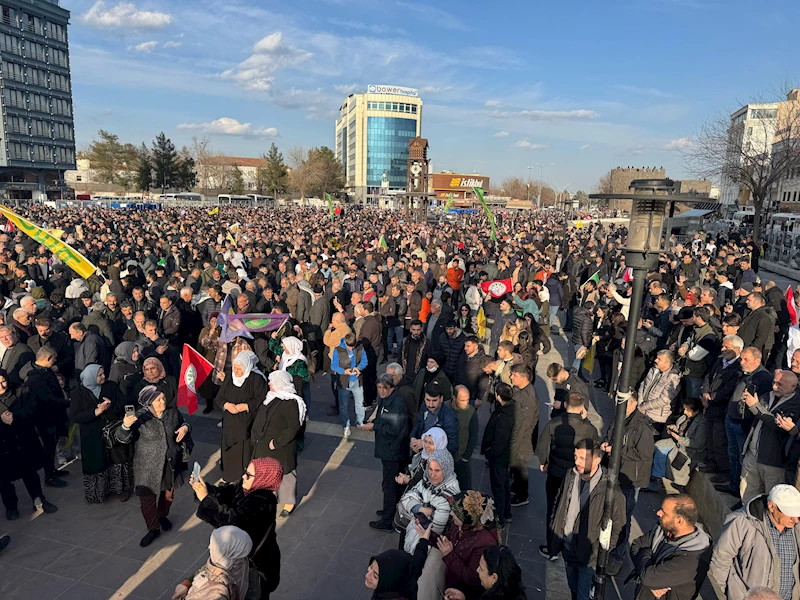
<point>446,419</point>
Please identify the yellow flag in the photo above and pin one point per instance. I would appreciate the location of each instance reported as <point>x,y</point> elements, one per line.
<point>183,230</point>
<point>56,233</point>
<point>231,240</point>
<point>213,211</point>
<point>588,360</point>
<point>481,319</point>
<point>67,254</point>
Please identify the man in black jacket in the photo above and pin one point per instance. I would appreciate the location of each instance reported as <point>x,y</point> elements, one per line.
<point>15,354</point>
<point>470,370</point>
<point>391,446</point>
<point>451,343</point>
<point>638,445</point>
<point>758,329</point>
<point>556,452</point>
<point>674,556</point>
<point>582,329</point>
<point>764,463</point>
<point>496,447</point>
<point>718,387</point>
<point>526,422</point>
<point>58,341</point>
<point>577,518</point>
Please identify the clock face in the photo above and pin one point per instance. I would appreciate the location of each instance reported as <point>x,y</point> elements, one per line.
<point>416,169</point>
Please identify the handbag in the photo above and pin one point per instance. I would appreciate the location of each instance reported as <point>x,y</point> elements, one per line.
<point>110,434</point>
<point>255,576</point>
<point>402,517</point>
<point>679,461</point>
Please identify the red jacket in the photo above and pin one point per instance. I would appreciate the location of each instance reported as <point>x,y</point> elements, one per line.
<point>462,562</point>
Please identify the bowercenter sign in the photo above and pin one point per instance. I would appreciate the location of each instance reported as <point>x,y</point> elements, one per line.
<point>393,89</point>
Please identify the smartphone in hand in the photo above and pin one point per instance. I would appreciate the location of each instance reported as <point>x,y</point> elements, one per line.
<point>196,471</point>
<point>130,410</point>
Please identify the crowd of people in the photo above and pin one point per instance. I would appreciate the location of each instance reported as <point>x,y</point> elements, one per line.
<point>392,315</point>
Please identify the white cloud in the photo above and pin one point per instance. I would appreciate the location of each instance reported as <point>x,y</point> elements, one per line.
<point>643,91</point>
<point>144,47</point>
<point>125,15</point>
<point>432,90</point>
<point>270,54</point>
<point>228,126</point>
<point>547,115</point>
<point>492,103</point>
<point>442,18</point>
<point>172,45</point>
<point>527,145</point>
<point>584,147</point>
<point>679,144</point>
<point>346,88</point>
<point>501,134</point>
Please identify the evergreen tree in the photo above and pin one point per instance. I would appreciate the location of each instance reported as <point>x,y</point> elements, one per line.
<point>237,181</point>
<point>144,174</point>
<point>327,173</point>
<point>165,161</point>
<point>274,177</point>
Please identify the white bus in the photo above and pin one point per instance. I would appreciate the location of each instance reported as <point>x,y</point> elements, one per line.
<point>258,199</point>
<point>233,199</point>
<point>184,197</point>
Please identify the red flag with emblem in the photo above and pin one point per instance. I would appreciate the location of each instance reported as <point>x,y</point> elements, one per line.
<point>497,288</point>
<point>194,370</point>
<point>791,305</point>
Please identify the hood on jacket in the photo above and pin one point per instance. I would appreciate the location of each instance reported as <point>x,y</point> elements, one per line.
<point>697,541</point>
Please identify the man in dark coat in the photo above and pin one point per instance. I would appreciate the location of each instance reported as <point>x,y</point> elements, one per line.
<point>97,322</point>
<point>58,341</point>
<point>757,328</point>
<point>470,370</point>
<point>556,452</point>
<point>391,446</point>
<point>435,413</point>
<point>15,355</point>
<point>674,555</point>
<point>90,349</point>
<point>526,420</point>
<point>371,332</point>
<point>415,349</point>
<point>451,344</point>
<point>169,320</point>
<point>496,447</point>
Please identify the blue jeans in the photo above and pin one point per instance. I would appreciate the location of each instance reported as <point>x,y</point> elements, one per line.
<point>579,579</point>
<point>394,334</point>
<point>736,438</point>
<point>660,462</point>
<point>576,364</point>
<point>553,313</point>
<point>357,392</point>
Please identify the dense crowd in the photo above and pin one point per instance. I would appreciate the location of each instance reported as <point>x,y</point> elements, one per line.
<point>392,315</point>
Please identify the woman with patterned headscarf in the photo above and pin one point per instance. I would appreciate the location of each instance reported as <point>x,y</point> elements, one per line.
<point>154,374</point>
<point>454,556</point>
<point>251,505</point>
<point>429,500</point>
<point>239,399</point>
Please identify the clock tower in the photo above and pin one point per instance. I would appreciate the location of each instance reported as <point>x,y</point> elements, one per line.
<point>418,166</point>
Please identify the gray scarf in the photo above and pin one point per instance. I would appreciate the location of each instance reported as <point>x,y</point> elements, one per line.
<point>577,502</point>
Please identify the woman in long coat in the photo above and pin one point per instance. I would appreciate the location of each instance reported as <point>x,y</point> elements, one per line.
<point>94,404</point>
<point>239,398</point>
<point>21,453</point>
<point>156,433</point>
<point>126,370</point>
<point>249,504</point>
<point>277,424</point>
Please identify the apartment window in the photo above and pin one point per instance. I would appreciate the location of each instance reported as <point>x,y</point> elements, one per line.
<point>62,131</point>
<point>19,151</point>
<point>65,155</point>
<point>763,113</point>
<point>41,128</point>
<point>42,153</point>
<point>13,71</point>
<point>37,77</point>
<point>58,57</point>
<point>749,131</point>
<point>56,32</point>
<point>10,43</point>
<point>62,107</point>
<point>35,51</point>
<point>15,98</point>
<point>39,103</point>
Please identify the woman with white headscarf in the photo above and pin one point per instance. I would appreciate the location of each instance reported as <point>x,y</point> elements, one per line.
<point>225,574</point>
<point>289,354</point>
<point>277,425</point>
<point>239,398</point>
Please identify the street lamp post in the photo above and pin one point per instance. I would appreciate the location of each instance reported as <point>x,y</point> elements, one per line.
<point>650,199</point>
<point>541,183</point>
<point>529,183</point>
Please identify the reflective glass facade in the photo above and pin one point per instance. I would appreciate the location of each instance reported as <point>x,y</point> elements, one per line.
<point>387,149</point>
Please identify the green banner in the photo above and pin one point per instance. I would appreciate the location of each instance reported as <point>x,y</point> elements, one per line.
<point>479,193</point>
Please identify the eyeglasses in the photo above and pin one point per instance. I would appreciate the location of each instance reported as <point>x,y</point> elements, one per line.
<point>249,475</point>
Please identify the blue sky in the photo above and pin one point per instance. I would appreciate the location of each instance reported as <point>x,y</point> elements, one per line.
<point>587,84</point>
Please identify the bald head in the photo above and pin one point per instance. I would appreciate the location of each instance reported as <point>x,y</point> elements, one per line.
<point>785,383</point>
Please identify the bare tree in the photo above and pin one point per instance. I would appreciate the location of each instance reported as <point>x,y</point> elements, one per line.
<point>603,185</point>
<point>515,187</point>
<point>301,178</point>
<point>756,158</point>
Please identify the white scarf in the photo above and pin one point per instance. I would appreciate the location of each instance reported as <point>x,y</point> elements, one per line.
<point>248,361</point>
<point>282,383</point>
<point>292,353</point>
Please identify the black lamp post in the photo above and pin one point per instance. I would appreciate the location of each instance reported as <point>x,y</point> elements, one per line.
<point>650,199</point>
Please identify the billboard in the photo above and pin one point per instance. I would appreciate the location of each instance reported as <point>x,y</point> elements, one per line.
<point>447,182</point>
<point>393,89</point>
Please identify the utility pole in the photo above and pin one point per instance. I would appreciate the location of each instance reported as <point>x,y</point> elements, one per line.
<point>541,183</point>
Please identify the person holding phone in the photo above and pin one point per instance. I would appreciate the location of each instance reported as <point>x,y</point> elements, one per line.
<point>95,403</point>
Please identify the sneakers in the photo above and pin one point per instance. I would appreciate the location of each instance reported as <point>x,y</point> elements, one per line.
<point>4,542</point>
<point>166,524</point>
<point>381,526</point>
<point>545,551</point>
<point>517,502</point>
<point>44,505</point>
<point>149,538</point>
<point>347,431</point>
<point>379,512</point>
